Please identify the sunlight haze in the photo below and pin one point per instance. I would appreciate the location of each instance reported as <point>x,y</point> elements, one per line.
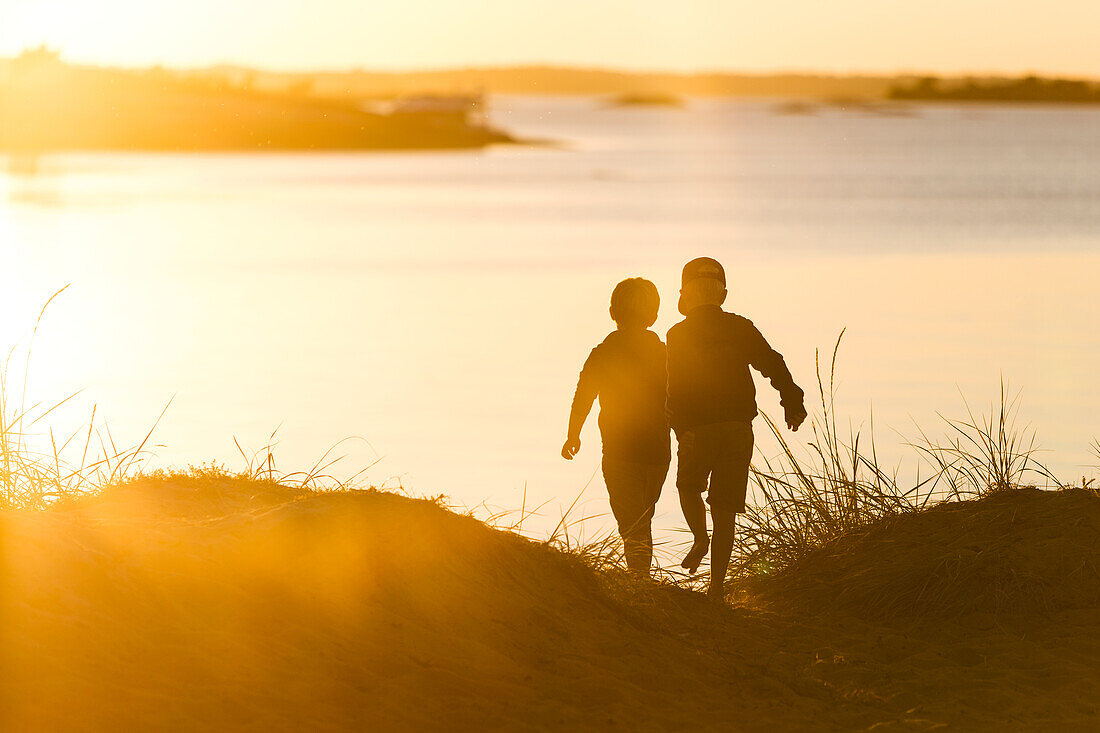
<point>585,365</point>
<point>840,36</point>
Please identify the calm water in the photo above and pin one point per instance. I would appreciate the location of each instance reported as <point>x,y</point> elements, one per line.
<point>439,305</point>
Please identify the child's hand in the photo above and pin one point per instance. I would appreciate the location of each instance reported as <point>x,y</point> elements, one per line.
<point>572,445</point>
<point>795,416</point>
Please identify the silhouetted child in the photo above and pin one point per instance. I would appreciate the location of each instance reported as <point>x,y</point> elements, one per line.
<point>627,372</point>
<point>711,405</point>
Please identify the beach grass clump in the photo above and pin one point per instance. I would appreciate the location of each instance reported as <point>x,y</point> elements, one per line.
<point>261,466</point>
<point>37,466</point>
<point>838,486</point>
<point>35,476</point>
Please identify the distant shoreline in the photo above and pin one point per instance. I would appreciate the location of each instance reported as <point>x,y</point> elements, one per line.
<point>559,81</point>
<point>49,106</point>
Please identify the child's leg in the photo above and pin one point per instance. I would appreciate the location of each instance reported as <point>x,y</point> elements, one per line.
<point>635,527</point>
<point>638,544</point>
<point>728,489</point>
<point>626,488</point>
<point>692,471</point>
<point>642,537</point>
<point>725,531</point>
<point>695,513</point>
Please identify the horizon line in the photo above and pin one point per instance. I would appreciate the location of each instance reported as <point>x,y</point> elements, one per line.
<point>581,68</point>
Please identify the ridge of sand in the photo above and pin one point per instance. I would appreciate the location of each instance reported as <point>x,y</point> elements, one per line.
<point>1018,552</point>
<point>218,603</point>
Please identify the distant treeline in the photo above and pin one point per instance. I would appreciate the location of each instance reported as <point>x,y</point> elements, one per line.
<point>532,80</point>
<point>357,85</point>
<point>551,80</point>
<point>1027,89</point>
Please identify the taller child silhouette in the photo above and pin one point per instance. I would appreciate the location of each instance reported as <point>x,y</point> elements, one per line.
<point>711,405</point>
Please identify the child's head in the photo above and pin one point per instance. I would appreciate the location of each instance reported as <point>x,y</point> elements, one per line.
<point>703,283</point>
<point>634,303</point>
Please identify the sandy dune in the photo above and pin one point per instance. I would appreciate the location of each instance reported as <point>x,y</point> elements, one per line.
<point>214,603</point>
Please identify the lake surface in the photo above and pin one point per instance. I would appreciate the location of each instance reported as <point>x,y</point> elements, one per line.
<point>439,305</point>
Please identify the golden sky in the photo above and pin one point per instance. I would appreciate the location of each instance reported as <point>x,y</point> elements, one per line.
<point>1057,36</point>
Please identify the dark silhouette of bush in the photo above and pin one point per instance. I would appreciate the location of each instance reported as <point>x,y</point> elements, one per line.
<point>1031,89</point>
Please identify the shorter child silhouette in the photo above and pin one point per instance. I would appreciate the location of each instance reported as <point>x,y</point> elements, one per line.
<point>627,373</point>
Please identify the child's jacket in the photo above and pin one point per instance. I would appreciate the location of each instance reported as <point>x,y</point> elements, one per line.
<point>627,373</point>
<point>709,355</point>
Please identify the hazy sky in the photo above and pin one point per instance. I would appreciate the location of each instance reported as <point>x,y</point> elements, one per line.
<point>835,35</point>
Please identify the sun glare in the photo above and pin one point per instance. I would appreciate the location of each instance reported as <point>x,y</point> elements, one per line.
<point>63,26</point>
<point>842,36</point>
<point>389,366</point>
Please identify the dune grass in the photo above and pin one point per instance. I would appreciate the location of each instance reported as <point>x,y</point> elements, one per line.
<point>839,485</point>
<point>37,467</point>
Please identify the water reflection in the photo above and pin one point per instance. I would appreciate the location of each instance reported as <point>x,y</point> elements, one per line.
<point>435,303</point>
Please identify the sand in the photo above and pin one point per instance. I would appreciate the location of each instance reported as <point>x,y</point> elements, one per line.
<point>212,603</point>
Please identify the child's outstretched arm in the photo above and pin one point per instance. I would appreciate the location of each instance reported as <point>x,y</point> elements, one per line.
<point>588,388</point>
<point>769,362</point>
